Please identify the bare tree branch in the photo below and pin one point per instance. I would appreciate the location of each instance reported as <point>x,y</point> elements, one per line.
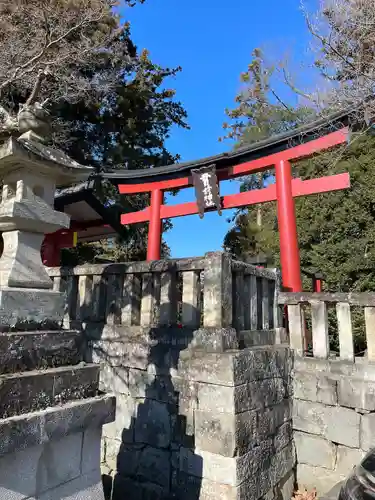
<point>42,38</point>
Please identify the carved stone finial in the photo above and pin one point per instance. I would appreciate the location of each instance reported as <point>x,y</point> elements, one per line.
<point>34,118</point>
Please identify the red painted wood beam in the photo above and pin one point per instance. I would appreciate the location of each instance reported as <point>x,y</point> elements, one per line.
<point>297,152</point>
<point>299,188</point>
<point>302,151</point>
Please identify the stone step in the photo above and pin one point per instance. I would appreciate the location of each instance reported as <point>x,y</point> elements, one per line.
<point>32,429</point>
<point>39,389</point>
<point>24,351</point>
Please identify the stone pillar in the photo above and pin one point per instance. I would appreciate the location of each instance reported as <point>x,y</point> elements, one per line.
<point>217,290</point>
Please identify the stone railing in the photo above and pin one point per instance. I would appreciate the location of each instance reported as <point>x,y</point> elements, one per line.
<point>209,291</point>
<point>333,403</point>
<point>318,303</point>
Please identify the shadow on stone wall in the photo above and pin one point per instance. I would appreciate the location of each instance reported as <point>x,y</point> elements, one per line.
<point>143,362</point>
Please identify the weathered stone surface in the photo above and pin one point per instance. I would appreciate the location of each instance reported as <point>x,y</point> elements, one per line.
<point>37,469</point>
<point>183,426</point>
<point>361,369</point>
<point>252,395</point>
<point>283,436</point>
<point>367,438</point>
<point>340,425</point>
<point>154,466</point>
<point>218,283</point>
<point>153,424</point>
<point>133,355</point>
<point>285,488</point>
<point>234,471</point>
<point>123,427</point>
<point>314,450</point>
<point>25,309</point>
<point>20,432</point>
<point>187,390</point>
<point>347,458</point>
<point>356,393</point>
<point>236,368</point>
<point>128,489</point>
<point>314,387</point>
<point>225,434</point>
<point>36,390</point>
<point>148,385</point>
<point>33,350</point>
<point>85,486</point>
<point>145,464</point>
<point>317,477</point>
<point>91,450</point>
<point>214,339</point>
<point>228,435</point>
<point>111,448</point>
<point>114,379</point>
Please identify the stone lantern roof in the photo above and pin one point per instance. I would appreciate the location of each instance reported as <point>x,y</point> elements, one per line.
<point>27,149</point>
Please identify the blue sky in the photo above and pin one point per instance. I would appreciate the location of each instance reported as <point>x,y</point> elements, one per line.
<point>212,40</point>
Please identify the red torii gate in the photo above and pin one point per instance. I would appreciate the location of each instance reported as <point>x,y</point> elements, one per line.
<point>157,180</point>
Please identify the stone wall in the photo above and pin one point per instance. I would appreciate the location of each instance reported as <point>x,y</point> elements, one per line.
<point>201,412</point>
<point>193,424</point>
<point>334,392</point>
<point>333,419</point>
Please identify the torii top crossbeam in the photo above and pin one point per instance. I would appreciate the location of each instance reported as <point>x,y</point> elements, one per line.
<point>277,152</point>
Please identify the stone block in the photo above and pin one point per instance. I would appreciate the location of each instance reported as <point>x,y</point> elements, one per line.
<point>356,393</point>
<point>234,471</point>
<point>59,462</point>
<point>91,449</point>
<point>238,367</point>
<point>154,466</point>
<point>314,450</point>
<point>337,424</point>
<point>18,472</point>
<point>133,355</point>
<point>153,424</point>
<point>24,431</point>
<point>86,486</point>
<point>123,427</point>
<point>367,439</point>
<point>317,477</point>
<point>234,434</point>
<point>314,387</point>
<point>283,436</point>
<point>186,390</point>
<point>347,458</point>
<point>23,351</point>
<point>273,469</point>
<point>252,395</point>
<point>148,385</point>
<point>213,339</point>
<point>111,451</point>
<point>32,471</point>
<point>224,433</point>
<point>285,488</point>
<point>114,379</point>
<point>128,489</point>
<point>26,309</point>
<point>183,427</point>
<point>271,418</point>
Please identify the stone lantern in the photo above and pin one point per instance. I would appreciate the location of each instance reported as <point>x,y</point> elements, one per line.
<point>31,172</point>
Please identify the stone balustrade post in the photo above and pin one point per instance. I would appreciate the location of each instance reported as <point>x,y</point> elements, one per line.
<point>217,299</point>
